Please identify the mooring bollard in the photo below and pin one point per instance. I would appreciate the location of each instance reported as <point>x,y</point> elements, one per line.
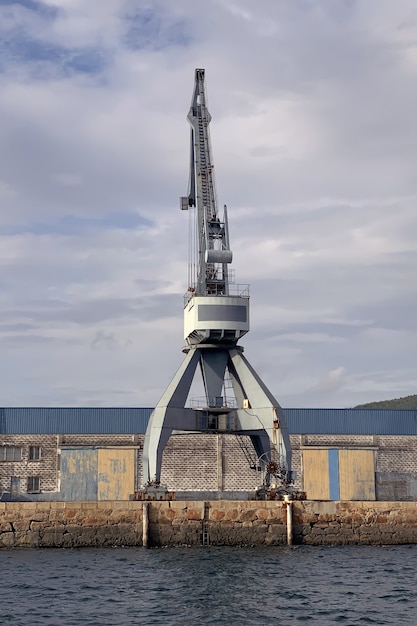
<point>145,524</point>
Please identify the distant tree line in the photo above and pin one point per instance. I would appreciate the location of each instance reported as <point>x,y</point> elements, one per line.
<point>409,402</point>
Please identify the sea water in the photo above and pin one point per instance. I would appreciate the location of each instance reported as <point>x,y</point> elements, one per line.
<point>209,585</point>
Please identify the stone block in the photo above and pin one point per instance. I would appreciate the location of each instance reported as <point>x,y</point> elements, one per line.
<point>321,525</point>
<point>105,505</point>
<point>21,525</point>
<point>122,517</point>
<point>322,507</point>
<point>246,524</point>
<point>28,539</point>
<point>308,517</point>
<point>170,513</point>
<point>325,517</point>
<point>178,505</point>
<point>92,521</point>
<point>43,506</point>
<point>134,505</point>
<point>195,514</point>
<point>262,514</point>
<point>7,540</point>
<point>14,507</point>
<point>231,514</point>
<point>277,529</point>
<point>260,523</point>
<point>58,505</point>
<point>74,529</point>
<point>248,515</point>
<point>67,540</point>
<point>51,539</point>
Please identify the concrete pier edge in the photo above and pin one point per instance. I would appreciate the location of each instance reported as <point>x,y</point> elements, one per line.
<point>196,523</point>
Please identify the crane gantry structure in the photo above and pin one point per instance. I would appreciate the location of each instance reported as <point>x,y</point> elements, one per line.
<point>216,316</point>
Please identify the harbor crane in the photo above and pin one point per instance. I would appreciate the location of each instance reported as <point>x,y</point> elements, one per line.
<point>216,317</point>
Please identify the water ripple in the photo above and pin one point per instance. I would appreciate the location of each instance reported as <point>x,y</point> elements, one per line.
<point>212,586</point>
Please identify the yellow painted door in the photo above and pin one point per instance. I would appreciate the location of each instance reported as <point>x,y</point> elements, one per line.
<point>116,473</point>
<point>357,474</point>
<point>316,474</point>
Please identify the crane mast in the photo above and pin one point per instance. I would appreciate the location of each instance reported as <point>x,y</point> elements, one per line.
<point>213,253</point>
<point>211,314</point>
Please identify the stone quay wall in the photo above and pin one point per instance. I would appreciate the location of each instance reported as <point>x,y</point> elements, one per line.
<point>237,523</point>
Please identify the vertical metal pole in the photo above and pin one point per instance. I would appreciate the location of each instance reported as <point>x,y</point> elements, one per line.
<point>288,504</point>
<point>145,524</point>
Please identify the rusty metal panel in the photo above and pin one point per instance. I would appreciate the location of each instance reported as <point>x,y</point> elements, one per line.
<point>78,474</point>
<point>316,474</point>
<point>357,474</point>
<point>116,473</point>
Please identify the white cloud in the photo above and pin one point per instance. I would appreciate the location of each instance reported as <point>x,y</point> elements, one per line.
<point>332,381</point>
<point>313,134</point>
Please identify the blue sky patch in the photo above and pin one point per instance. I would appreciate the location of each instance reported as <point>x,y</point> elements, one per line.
<point>22,49</point>
<point>18,44</point>
<point>36,6</point>
<point>147,29</point>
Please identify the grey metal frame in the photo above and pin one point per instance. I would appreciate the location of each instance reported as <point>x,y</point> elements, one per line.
<point>214,321</point>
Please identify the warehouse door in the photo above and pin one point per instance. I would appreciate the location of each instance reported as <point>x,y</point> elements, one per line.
<point>357,475</point>
<point>91,474</point>
<point>316,474</point>
<point>116,473</point>
<point>78,474</point>
<point>332,474</point>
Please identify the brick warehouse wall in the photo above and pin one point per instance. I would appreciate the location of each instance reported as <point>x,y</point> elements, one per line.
<point>99,440</point>
<point>210,462</point>
<point>396,454</point>
<point>46,467</point>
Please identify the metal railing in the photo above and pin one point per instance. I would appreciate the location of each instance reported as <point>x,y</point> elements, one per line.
<point>235,290</point>
<point>215,402</point>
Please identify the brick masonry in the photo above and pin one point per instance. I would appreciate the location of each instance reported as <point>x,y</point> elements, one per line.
<point>85,524</point>
<point>19,472</point>
<point>210,462</point>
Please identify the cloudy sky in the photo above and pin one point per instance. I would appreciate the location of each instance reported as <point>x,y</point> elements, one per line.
<point>314,137</point>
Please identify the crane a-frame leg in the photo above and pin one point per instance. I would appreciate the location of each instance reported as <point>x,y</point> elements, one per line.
<point>257,413</point>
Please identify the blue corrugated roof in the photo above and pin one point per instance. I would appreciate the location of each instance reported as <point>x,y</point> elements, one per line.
<point>125,420</point>
<point>77,421</point>
<point>351,421</point>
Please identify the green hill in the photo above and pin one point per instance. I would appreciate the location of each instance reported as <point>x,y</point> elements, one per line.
<point>409,402</point>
